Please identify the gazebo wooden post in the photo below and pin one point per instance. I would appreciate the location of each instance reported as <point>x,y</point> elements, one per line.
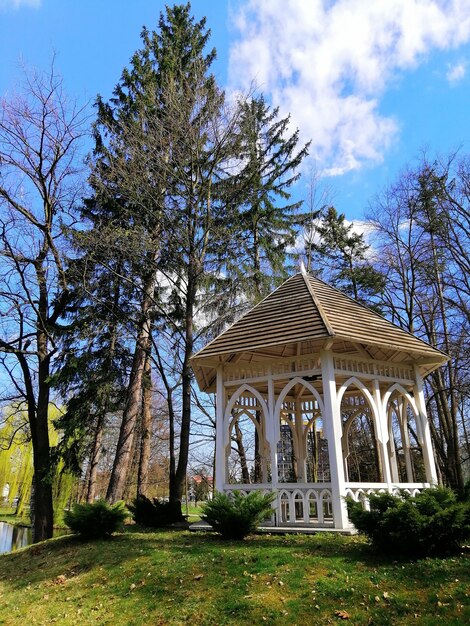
<point>272,435</point>
<point>382,436</point>
<point>301,452</point>
<point>219,432</point>
<point>392,452</point>
<point>405,437</point>
<point>332,422</point>
<point>426,443</point>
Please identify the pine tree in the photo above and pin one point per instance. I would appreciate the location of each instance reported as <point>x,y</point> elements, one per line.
<point>341,257</point>
<point>269,223</point>
<point>162,145</point>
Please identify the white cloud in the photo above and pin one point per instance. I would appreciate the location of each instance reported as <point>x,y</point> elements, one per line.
<point>455,73</point>
<point>18,4</point>
<point>328,63</point>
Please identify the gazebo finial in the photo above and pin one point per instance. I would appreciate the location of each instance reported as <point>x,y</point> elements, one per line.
<point>302,267</point>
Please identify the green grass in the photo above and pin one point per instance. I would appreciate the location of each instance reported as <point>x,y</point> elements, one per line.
<point>170,577</point>
<point>194,511</point>
<point>8,514</point>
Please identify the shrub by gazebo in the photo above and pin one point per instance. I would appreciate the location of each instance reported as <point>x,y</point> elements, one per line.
<point>318,398</point>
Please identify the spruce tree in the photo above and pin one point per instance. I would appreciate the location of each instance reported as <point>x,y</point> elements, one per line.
<point>341,257</point>
<point>160,183</point>
<point>269,222</point>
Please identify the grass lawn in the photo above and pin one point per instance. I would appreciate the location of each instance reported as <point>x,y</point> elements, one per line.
<point>194,511</point>
<point>157,578</point>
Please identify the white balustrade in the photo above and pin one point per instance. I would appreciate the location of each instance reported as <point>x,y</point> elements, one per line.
<point>301,504</point>
<point>360,492</point>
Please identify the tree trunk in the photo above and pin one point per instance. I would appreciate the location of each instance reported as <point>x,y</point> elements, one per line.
<point>241,454</point>
<point>43,504</point>
<point>144,458</point>
<point>122,460</point>
<point>43,472</point>
<point>94,459</point>
<point>177,486</point>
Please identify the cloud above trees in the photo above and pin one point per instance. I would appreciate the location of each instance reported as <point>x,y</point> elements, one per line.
<point>18,4</point>
<point>329,64</point>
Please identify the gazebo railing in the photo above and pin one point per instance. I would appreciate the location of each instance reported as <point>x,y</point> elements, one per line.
<point>360,492</point>
<point>297,504</point>
<point>310,504</point>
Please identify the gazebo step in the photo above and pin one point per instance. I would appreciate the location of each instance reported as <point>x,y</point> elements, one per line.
<point>281,530</point>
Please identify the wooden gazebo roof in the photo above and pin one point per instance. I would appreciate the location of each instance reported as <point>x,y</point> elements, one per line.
<point>302,316</point>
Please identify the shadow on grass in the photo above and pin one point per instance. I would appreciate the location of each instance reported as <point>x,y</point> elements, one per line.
<point>69,555</point>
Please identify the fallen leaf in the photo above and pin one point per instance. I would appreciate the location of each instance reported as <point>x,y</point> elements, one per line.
<point>198,576</point>
<point>342,614</point>
<point>60,580</point>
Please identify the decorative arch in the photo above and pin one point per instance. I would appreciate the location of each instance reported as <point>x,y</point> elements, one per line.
<point>298,381</point>
<point>236,417</point>
<point>375,428</point>
<point>293,459</point>
<point>402,391</point>
<point>232,416</point>
<point>397,401</point>
<point>228,409</point>
<point>353,381</point>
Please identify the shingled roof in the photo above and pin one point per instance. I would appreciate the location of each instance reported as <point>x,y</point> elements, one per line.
<point>299,317</point>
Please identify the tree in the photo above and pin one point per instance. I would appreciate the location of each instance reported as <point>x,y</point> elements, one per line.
<point>94,361</point>
<point>316,203</point>
<point>341,256</point>
<point>269,223</point>
<point>39,183</point>
<point>161,147</point>
<point>416,221</point>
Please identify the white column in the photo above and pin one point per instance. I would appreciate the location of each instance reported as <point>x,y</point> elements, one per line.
<point>426,444</point>
<point>272,436</point>
<point>405,438</point>
<point>272,431</point>
<point>391,447</point>
<point>382,435</point>
<point>219,432</point>
<point>299,437</point>
<point>332,422</point>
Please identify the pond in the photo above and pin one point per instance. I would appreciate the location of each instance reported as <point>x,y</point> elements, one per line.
<point>14,537</point>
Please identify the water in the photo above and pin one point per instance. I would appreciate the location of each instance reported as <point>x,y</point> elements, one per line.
<point>14,537</point>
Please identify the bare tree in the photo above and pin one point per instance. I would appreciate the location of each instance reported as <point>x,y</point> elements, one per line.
<point>423,246</point>
<point>39,182</point>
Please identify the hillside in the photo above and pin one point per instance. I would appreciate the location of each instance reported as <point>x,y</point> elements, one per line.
<point>144,578</point>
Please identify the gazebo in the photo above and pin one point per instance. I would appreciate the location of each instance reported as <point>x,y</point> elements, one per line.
<point>318,398</point>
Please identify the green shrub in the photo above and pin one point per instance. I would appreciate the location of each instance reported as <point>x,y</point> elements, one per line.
<point>97,520</point>
<point>432,523</point>
<point>154,513</point>
<point>237,517</point>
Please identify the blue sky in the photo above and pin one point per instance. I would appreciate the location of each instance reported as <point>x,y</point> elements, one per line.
<point>371,83</point>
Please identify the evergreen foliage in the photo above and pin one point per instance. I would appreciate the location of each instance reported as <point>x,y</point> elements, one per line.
<point>97,520</point>
<point>238,516</point>
<point>155,513</point>
<point>432,523</point>
<point>341,256</point>
<point>268,221</point>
